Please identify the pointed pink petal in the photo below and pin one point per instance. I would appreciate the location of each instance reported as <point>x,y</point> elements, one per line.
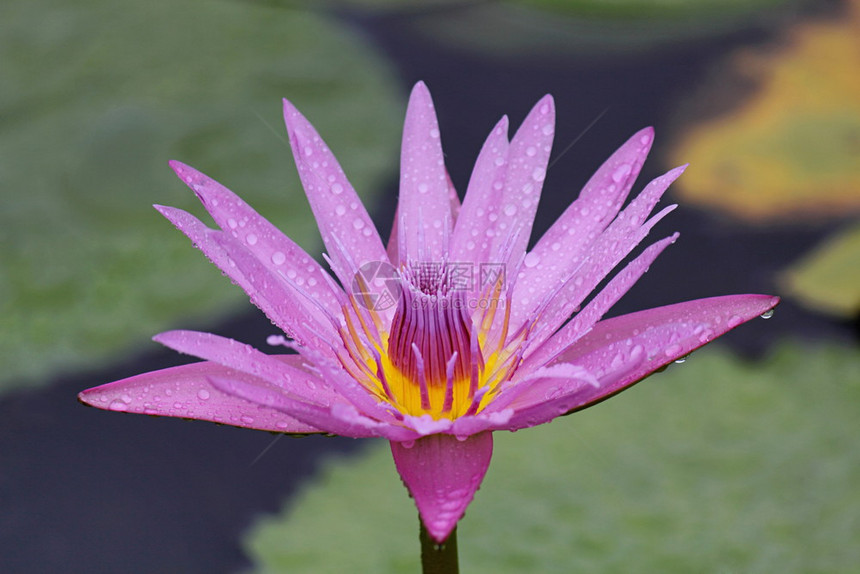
<point>341,418</point>
<point>293,308</point>
<point>185,392</point>
<point>279,300</point>
<point>470,241</point>
<point>627,230</point>
<point>425,206</point>
<point>623,350</point>
<point>528,157</point>
<point>562,248</point>
<point>342,219</point>
<point>544,395</point>
<point>267,243</point>
<point>597,307</point>
<point>443,473</point>
<point>286,375</point>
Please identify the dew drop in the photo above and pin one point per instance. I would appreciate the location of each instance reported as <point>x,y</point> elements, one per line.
<point>203,394</point>
<point>232,223</point>
<point>620,173</point>
<point>278,258</point>
<point>531,151</point>
<point>510,210</point>
<point>538,174</point>
<point>422,187</point>
<point>358,223</point>
<point>434,133</point>
<point>734,321</point>
<point>531,259</point>
<point>251,239</point>
<point>340,210</point>
<point>337,188</point>
<point>548,129</point>
<point>767,314</point>
<point>118,405</point>
<point>247,420</point>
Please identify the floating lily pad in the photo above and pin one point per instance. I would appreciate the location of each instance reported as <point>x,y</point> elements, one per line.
<point>715,465</point>
<point>97,97</point>
<point>828,279</point>
<point>789,149</point>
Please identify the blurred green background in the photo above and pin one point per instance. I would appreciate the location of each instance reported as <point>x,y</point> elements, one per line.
<point>721,464</point>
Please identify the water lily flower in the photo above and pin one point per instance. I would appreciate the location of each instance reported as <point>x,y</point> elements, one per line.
<point>453,330</point>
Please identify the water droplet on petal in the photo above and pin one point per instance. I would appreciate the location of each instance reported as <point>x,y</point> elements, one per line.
<point>531,259</point>
<point>118,405</point>
<point>767,314</point>
<point>620,173</point>
<point>531,151</point>
<point>203,394</point>
<point>251,239</point>
<point>538,174</point>
<point>278,258</point>
<point>407,443</point>
<point>422,188</point>
<point>510,210</point>
<point>734,321</point>
<point>232,223</point>
<point>337,188</point>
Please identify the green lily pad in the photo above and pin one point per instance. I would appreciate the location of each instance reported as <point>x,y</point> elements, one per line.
<point>716,465</point>
<point>828,279</point>
<point>97,97</point>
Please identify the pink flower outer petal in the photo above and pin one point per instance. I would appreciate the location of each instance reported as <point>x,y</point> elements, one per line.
<point>286,311</point>
<point>528,156</point>
<point>442,474</point>
<point>424,208</point>
<point>280,254</point>
<point>470,241</point>
<point>616,242</point>
<point>623,350</point>
<point>185,392</point>
<point>281,298</point>
<point>596,308</point>
<point>339,213</point>
<point>341,418</point>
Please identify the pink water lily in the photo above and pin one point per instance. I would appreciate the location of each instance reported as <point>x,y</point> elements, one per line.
<point>451,332</point>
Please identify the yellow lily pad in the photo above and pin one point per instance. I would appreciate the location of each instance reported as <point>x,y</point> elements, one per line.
<point>790,150</point>
<point>828,279</point>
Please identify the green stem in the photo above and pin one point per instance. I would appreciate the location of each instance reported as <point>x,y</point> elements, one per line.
<point>438,558</point>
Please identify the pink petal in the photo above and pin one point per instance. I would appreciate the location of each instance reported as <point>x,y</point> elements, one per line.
<point>614,244</point>
<point>443,473</point>
<point>267,243</point>
<point>528,157</point>
<point>596,308</point>
<point>470,241</point>
<point>286,375</point>
<point>185,392</point>
<point>287,312</point>
<point>623,350</point>
<point>424,208</point>
<point>561,249</point>
<point>294,307</point>
<point>343,221</point>
<point>341,419</point>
